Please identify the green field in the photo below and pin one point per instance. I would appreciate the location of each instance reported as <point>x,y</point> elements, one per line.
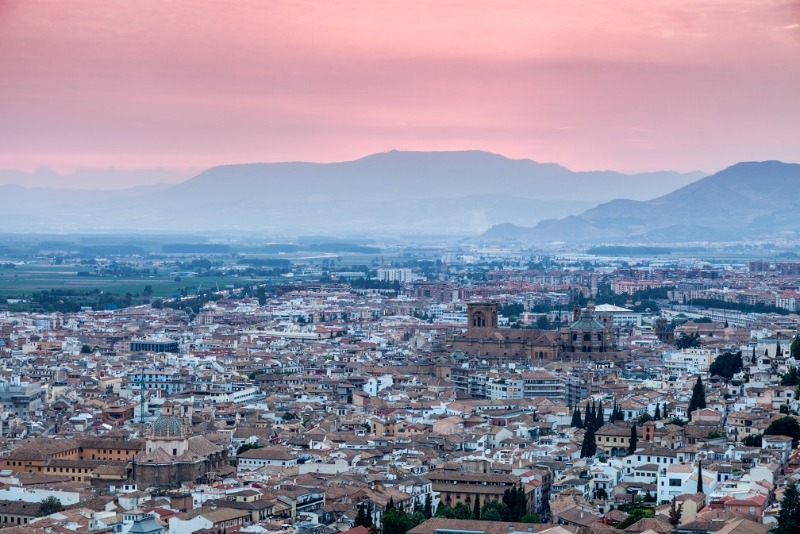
<point>25,279</point>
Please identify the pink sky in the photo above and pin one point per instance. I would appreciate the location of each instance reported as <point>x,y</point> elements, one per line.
<point>625,85</point>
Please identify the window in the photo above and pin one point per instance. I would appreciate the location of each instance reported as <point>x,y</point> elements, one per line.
<point>675,482</point>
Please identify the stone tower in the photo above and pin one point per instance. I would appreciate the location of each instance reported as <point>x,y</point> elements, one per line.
<point>482,315</point>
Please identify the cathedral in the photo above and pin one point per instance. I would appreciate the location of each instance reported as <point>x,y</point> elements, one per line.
<point>171,456</point>
<point>588,334</point>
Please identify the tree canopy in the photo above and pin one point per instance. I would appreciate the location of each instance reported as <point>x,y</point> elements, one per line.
<point>698,400</point>
<point>50,505</point>
<point>727,364</point>
<point>789,515</point>
<point>785,426</point>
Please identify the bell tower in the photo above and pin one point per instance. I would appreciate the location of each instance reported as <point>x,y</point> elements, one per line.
<point>482,315</point>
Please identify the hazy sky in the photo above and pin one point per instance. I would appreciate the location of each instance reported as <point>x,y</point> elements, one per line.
<point>626,85</point>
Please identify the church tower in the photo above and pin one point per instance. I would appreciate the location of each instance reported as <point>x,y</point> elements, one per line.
<point>482,315</point>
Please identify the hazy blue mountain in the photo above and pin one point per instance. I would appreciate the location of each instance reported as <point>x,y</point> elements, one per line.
<point>750,199</point>
<point>387,193</point>
<point>92,179</point>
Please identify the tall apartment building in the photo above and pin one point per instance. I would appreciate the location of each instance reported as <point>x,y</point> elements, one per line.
<point>20,397</point>
<point>394,275</point>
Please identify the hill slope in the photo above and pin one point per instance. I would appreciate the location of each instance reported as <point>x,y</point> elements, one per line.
<point>746,200</point>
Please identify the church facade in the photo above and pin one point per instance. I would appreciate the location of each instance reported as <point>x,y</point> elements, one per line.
<point>587,334</point>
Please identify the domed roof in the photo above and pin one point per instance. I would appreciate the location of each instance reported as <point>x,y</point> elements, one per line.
<point>168,426</point>
<point>587,322</point>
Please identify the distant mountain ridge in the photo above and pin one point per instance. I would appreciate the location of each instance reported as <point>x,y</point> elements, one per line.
<point>746,200</point>
<point>387,193</point>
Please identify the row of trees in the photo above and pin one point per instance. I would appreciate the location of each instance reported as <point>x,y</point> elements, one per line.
<point>513,507</point>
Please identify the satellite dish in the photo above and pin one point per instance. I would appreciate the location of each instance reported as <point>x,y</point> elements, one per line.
<point>487,452</point>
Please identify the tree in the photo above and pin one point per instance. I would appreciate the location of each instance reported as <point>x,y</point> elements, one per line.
<point>687,342</point>
<point>644,418</point>
<point>634,516</point>
<point>794,348</point>
<point>675,512</point>
<point>147,291</point>
<point>588,420</point>
<point>576,418</point>
<point>390,504</point>
<point>698,400</point>
<point>600,418</point>
<point>494,510</point>
<point>244,447</point>
<point>754,440</point>
<point>510,500</point>
<point>677,421</point>
<point>589,446</point>
<point>444,511</point>
<point>633,440</point>
<point>530,518</point>
<point>86,349</point>
<point>462,511</point>
<point>417,518</point>
<point>785,426</point>
<point>395,521</point>
<point>700,477</point>
<point>428,508</point>
<point>476,510</point>
<point>727,364</point>
<point>778,350</point>
<point>361,517</point>
<point>789,514</point>
<point>658,412</point>
<point>791,377</point>
<point>522,502</point>
<point>50,505</point>
<point>601,494</point>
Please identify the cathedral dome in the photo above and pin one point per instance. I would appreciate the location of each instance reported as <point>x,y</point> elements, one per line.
<point>168,426</point>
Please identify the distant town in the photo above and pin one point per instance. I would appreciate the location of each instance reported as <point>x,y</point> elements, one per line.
<point>428,390</point>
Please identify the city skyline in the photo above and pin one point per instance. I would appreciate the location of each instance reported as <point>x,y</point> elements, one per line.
<point>681,85</point>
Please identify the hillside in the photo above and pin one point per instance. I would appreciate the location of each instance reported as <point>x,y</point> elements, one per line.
<point>746,200</point>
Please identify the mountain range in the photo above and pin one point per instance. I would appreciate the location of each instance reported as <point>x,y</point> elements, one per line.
<point>387,193</point>
<point>747,200</point>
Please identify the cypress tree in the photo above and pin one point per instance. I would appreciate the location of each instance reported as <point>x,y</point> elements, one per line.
<point>600,418</point>
<point>522,502</point>
<point>361,516</point>
<point>699,476</point>
<point>577,422</point>
<point>634,439</point>
<point>588,419</point>
<point>510,500</point>
<point>589,447</point>
<point>657,416</point>
<point>428,509</point>
<point>476,510</point>
<point>754,354</point>
<point>789,515</point>
<point>698,400</point>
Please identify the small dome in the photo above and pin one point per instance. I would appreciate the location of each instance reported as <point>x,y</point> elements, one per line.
<point>168,426</point>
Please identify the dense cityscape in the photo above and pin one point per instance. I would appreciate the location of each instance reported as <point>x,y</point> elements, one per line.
<point>399,267</point>
<point>423,390</point>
